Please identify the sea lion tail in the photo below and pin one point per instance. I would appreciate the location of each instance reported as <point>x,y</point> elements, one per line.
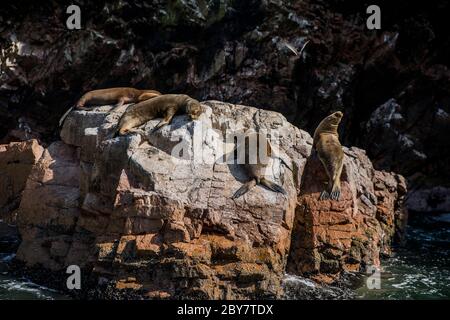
<point>272,186</point>
<point>64,116</point>
<point>244,189</point>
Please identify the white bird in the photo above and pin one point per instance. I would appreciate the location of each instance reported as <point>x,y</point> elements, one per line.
<point>290,47</point>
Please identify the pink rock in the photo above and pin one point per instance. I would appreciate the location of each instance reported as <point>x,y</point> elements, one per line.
<point>131,210</point>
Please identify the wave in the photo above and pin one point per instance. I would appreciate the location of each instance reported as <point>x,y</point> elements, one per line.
<point>23,289</point>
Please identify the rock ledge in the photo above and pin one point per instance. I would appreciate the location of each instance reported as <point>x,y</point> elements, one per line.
<point>166,227</point>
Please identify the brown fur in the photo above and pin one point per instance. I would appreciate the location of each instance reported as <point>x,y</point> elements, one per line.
<point>117,96</point>
<point>256,171</point>
<point>329,150</point>
<point>165,106</point>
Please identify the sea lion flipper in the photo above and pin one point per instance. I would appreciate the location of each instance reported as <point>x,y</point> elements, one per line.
<point>147,95</point>
<point>244,189</point>
<point>272,186</point>
<point>118,105</point>
<point>324,195</point>
<point>170,112</point>
<point>335,195</point>
<point>161,124</point>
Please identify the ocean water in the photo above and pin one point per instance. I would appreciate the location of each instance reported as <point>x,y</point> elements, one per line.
<point>22,289</point>
<point>418,270</point>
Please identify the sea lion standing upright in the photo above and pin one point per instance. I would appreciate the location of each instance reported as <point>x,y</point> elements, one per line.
<point>117,96</point>
<point>165,106</point>
<point>257,171</point>
<point>329,150</point>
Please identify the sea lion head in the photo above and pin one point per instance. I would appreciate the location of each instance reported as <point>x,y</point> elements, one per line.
<point>336,117</point>
<point>194,109</point>
<point>330,123</point>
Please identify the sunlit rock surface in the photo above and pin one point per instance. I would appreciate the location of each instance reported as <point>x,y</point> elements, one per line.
<point>162,223</point>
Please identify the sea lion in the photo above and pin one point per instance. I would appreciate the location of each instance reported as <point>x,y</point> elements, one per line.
<point>329,150</point>
<point>117,96</point>
<point>165,106</point>
<point>256,169</point>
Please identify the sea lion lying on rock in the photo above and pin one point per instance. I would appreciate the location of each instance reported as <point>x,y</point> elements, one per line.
<point>117,96</point>
<point>329,150</point>
<point>165,106</point>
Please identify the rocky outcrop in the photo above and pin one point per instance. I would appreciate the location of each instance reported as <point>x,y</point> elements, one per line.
<point>152,212</point>
<point>349,234</point>
<point>16,161</point>
<point>431,200</point>
<point>234,51</point>
<point>49,208</point>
